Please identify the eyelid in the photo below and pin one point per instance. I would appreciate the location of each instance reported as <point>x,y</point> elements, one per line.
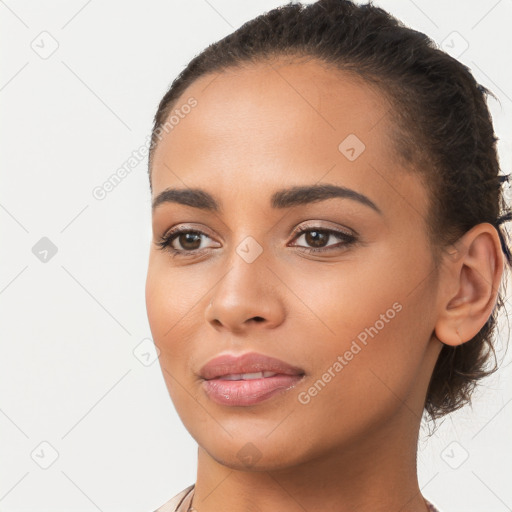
<point>318,224</point>
<point>188,227</point>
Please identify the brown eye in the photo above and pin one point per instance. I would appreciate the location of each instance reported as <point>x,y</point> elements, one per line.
<point>317,240</point>
<point>184,242</point>
<point>189,241</point>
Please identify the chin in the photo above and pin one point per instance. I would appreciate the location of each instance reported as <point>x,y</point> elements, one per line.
<point>256,455</point>
<point>247,463</point>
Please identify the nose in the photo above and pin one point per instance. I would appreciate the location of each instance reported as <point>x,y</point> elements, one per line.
<point>248,296</point>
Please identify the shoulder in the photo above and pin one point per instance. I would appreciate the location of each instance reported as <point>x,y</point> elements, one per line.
<point>173,504</point>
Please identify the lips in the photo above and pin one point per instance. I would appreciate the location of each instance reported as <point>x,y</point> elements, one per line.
<point>241,367</point>
<point>248,379</point>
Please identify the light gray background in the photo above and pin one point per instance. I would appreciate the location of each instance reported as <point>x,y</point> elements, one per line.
<point>74,374</point>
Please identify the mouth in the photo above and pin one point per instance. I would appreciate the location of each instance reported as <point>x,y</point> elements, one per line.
<point>248,376</point>
<point>247,379</point>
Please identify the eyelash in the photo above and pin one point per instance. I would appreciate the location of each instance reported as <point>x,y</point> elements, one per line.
<point>166,240</point>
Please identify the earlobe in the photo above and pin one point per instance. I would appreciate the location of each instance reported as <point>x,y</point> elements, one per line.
<point>447,332</point>
<point>470,285</point>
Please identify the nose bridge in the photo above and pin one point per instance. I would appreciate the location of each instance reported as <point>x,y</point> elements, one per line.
<point>248,274</point>
<point>247,290</point>
<point>248,251</point>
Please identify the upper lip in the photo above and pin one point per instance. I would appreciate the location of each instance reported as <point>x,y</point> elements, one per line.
<point>250,362</point>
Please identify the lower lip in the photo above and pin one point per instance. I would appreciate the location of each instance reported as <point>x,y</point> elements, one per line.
<point>248,392</point>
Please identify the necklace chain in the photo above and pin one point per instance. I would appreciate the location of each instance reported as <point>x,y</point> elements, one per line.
<point>192,509</point>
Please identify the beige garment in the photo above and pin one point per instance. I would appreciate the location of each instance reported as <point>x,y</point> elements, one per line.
<point>181,502</point>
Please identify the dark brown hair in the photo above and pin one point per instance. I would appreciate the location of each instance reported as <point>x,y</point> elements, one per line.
<point>442,129</point>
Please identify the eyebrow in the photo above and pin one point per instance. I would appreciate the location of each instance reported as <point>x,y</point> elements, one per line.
<point>285,198</point>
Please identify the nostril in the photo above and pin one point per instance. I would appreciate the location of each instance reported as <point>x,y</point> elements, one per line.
<point>258,319</point>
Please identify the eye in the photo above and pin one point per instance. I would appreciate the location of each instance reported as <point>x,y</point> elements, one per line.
<point>190,241</point>
<point>318,238</point>
<point>183,242</point>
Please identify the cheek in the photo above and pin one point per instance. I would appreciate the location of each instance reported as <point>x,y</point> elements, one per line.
<point>375,320</point>
<point>167,316</point>
<point>172,297</point>
<point>170,309</point>
<point>176,299</point>
<point>340,302</point>
<point>174,325</point>
<point>357,386</point>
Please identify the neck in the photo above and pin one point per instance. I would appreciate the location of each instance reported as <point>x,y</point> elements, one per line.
<point>374,473</point>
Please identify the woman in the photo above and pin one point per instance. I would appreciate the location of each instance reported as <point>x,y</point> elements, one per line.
<point>327,256</point>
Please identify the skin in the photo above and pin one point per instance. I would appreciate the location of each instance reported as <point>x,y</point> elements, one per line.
<point>353,446</point>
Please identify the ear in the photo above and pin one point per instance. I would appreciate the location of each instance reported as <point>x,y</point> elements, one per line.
<point>470,280</point>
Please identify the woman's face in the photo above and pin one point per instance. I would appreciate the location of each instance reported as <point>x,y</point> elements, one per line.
<point>356,316</point>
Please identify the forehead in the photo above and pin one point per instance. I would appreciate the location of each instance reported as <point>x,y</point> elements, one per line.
<point>280,121</point>
<point>276,102</point>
